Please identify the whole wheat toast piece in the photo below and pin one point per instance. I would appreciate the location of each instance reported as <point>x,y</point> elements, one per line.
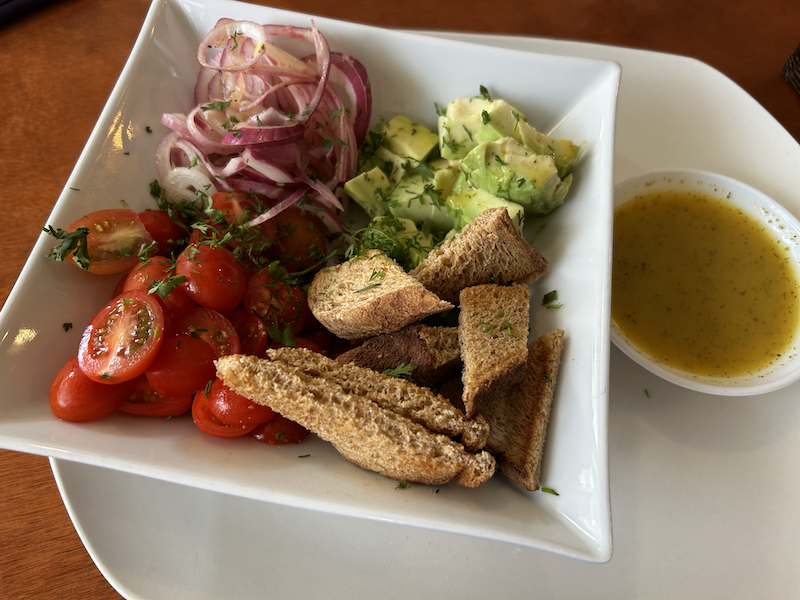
<point>369,295</point>
<point>402,397</point>
<point>518,419</point>
<point>493,335</point>
<point>364,433</point>
<point>433,351</point>
<point>490,249</point>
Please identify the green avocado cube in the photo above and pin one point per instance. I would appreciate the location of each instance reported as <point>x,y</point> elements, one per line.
<point>507,169</point>
<point>420,196</point>
<point>370,190</point>
<point>406,138</point>
<point>467,205</point>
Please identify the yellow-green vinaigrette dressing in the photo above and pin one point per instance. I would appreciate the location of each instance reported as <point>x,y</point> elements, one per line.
<point>701,286</point>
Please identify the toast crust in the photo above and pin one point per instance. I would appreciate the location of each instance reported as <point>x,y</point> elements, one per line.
<point>369,295</point>
<point>489,249</point>
<point>364,433</point>
<point>518,419</point>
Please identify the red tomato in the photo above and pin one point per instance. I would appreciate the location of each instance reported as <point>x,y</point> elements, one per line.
<point>279,430</point>
<point>184,365</point>
<point>162,229</point>
<point>114,240</point>
<point>237,316</point>
<point>74,397</point>
<point>276,302</point>
<point>250,244</point>
<point>208,423</point>
<point>123,338</point>
<point>301,241</point>
<point>253,335</point>
<point>214,278</point>
<point>140,400</point>
<point>177,302</point>
<point>234,205</point>
<point>234,409</point>
<point>213,328</point>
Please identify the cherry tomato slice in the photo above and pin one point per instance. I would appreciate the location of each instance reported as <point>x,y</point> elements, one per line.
<point>159,271</point>
<point>123,338</point>
<point>300,238</point>
<point>213,328</point>
<point>279,430</point>
<point>162,229</point>
<point>208,423</point>
<point>276,302</point>
<point>114,239</point>
<point>253,335</point>
<point>234,409</point>
<point>140,400</point>
<point>76,398</point>
<point>214,278</point>
<point>184,365</point>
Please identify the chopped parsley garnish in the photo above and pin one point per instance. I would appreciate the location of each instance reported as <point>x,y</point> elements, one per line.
<point>219,105</point>
<point>401,371</point>
<point>484,93</point>
<point>550,297</point>
<point>367,287</point>
<point>550,491</point>
<point>402,485</point>
<point>71,241</point>
<point>484,117</point>
<point>500,160</point>
<point>67,326</point>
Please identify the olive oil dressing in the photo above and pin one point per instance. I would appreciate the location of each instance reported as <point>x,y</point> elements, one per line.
<point>701,286</point>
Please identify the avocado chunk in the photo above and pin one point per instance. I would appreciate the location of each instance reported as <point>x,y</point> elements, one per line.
<point>459,125</point>
<point>371,191</point>
<point>420,196</point>
<point>564,152</point>
<point>467,205</point>
<point>401,240</point>
<point>406,138</point>
<point>507,169</point>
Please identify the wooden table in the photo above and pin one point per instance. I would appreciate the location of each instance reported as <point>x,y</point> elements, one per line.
<point>59,63</point>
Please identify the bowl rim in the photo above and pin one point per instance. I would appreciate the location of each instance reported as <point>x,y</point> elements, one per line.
<point>741,386</point>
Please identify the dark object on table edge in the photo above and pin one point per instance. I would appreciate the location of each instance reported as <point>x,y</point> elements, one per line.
<point>791,70</point>
<point>11,10</point>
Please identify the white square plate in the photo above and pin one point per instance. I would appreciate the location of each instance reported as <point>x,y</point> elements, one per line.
<point>570,97</point>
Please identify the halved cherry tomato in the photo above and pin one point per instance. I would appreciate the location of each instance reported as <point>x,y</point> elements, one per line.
<point>253,335</point>
<point>232,408</point>
<point>301,241</point>
<point>276,302</point>
<point>234,205</point>
<point>114,239</point>
<point>213,328</point>
<point>74,397</point>
<point>214,278</point>
<point>160,269</point>
<point>208,423</point>
<point>279,430</point>
<point>184,365</point>
<point>123,338</point>
<point>162,229</point>
<point>252,243</point>
<point>140,400</point>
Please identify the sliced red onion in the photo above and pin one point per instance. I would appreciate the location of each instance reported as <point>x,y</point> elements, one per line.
<point>228,35</point>
<point>277,209</point>
<point>183,184</point>
<point>349,73</point>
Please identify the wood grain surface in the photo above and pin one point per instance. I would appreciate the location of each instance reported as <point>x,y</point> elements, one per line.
<point>59,63</point>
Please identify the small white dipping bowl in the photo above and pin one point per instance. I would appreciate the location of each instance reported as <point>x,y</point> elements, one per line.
<point>784,226</point>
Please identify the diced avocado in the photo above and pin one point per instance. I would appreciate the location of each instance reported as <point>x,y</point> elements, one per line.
<point>466,206</point>
<point>406,138</point>
<point>370,190</point>
<point>392,165</point>
<point>420,196</point>
<point>564,152</point>
<point>498,121</point>
<point>507,169</point>
<point>458,126</point>
<point>412,245</point>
